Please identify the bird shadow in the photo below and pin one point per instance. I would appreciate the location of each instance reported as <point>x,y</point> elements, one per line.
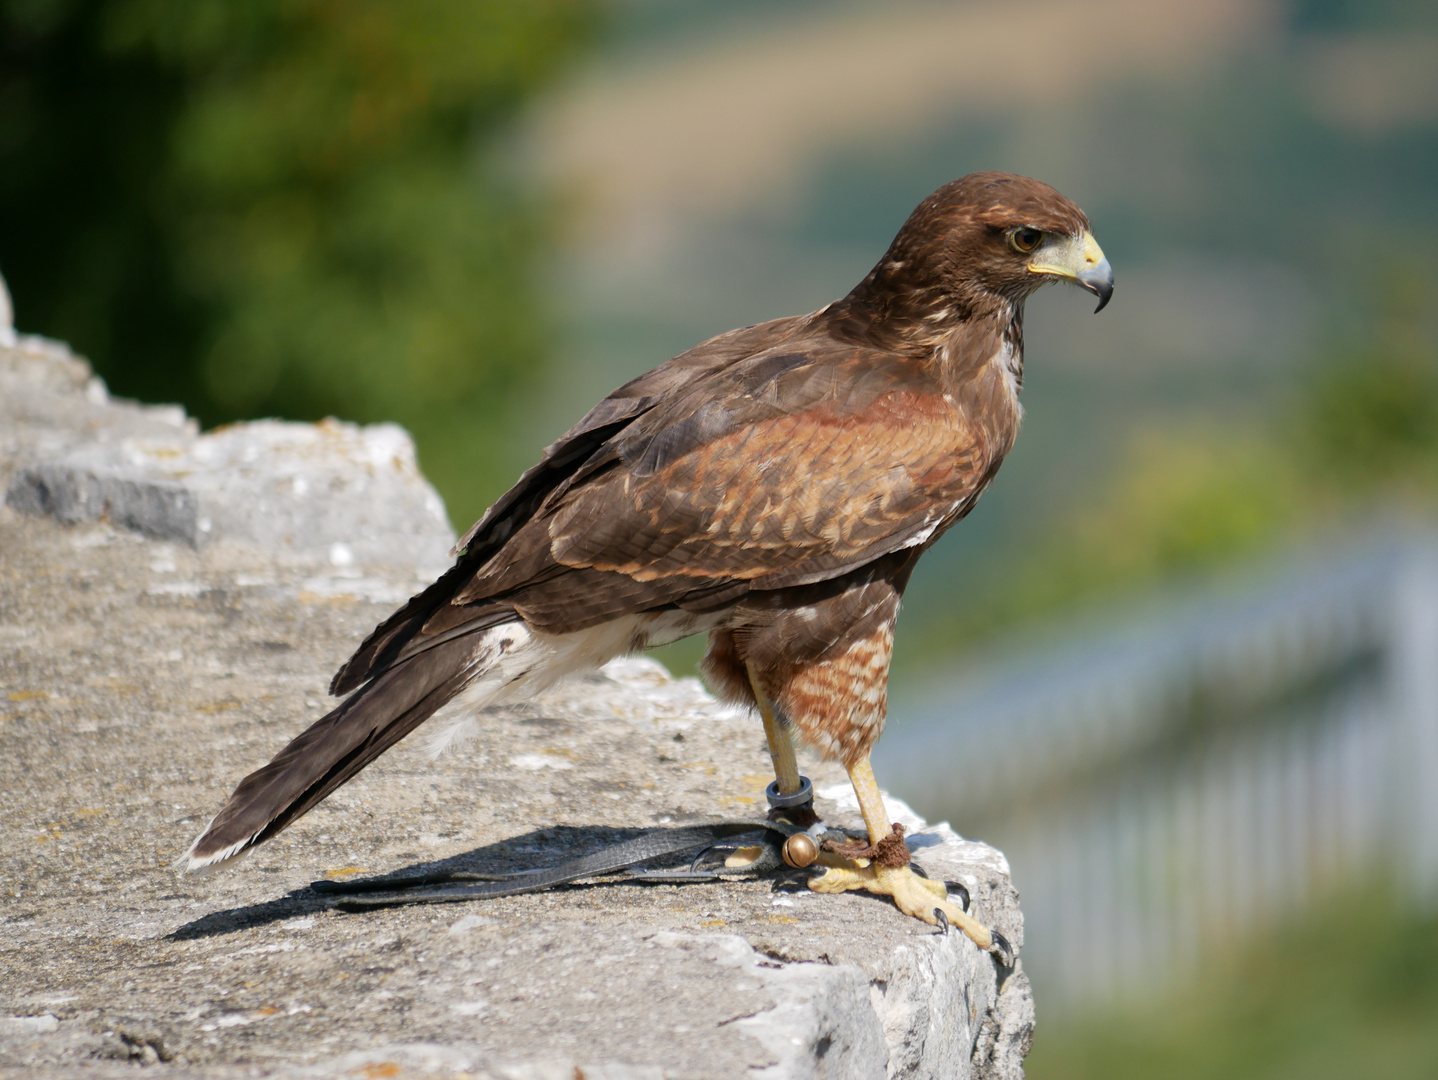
<point>537,848</point>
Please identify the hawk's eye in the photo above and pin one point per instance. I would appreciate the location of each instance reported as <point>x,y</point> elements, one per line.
<point>1025,239</point>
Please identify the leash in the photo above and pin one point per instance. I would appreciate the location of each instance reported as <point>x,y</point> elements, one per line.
<point>787,843</point>
<point>625,857</point>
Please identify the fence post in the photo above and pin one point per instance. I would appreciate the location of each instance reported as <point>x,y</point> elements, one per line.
<point>1415,706</point>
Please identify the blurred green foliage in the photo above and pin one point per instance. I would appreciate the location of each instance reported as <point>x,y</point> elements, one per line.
<point>1350,990</point>
<point>286,207</point>
<point>1370,412</point>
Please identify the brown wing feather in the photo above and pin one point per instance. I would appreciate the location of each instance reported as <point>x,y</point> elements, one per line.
<point>836,457</point>
<point>794,494</point>
<point>402,634</point>
<point>723,472</point>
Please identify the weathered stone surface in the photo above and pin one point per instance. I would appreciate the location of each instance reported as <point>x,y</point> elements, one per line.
<point>328,493</point>
<point>139,679</point>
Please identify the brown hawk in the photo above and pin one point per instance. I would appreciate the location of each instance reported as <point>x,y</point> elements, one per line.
<point>772,487</point>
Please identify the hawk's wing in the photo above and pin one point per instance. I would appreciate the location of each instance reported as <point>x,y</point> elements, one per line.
<point>557,464</point>
<point>792,464</point>
<point>787,468</point>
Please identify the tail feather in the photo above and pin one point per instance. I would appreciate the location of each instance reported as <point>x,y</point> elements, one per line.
<point>336,747</point>
<point>380,649</point>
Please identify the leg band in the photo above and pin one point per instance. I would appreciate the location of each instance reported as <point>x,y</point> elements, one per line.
<point>784,802</point>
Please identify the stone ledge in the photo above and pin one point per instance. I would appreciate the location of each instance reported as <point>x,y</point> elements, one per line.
<point>140,678</point>
<point>328,493</point>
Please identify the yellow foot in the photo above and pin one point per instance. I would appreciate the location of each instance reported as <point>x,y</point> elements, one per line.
<point>915,895</point>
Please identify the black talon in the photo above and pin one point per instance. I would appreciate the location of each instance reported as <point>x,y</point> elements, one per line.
<point>814,872</point>
<point>943,921</point>
<point>794,881</point>
<point>962,891</point>
<point>1002,949</point>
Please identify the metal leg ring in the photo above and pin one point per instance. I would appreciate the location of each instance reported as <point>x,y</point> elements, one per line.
<point>784,802</point>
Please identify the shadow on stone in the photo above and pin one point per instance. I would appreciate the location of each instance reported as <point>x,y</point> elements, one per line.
<point>292,905</point>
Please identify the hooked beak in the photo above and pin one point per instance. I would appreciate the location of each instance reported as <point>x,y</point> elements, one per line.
<point>1078,259</point>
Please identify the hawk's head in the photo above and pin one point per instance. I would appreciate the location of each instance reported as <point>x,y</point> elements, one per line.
<point>991,239</point>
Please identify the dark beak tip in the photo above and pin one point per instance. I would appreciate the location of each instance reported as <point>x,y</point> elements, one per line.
<point>1103,290</point>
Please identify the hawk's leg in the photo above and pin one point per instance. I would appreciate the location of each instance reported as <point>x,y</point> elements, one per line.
<point>887,872</point>
<point>781,742</point>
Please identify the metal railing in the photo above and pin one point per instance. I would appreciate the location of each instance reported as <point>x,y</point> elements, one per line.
<point>1166,784</point>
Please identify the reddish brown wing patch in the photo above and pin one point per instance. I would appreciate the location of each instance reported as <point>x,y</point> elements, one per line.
<point>780,492</point>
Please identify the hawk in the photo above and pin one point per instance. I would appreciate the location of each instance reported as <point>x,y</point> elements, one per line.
<point>772,487</point>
